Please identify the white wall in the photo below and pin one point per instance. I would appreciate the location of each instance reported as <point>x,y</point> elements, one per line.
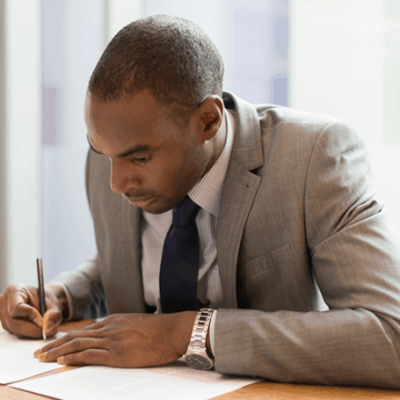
<point>20,142</point>
<point>121,13</point>
<point>344,61</point>
<point>72,43</point>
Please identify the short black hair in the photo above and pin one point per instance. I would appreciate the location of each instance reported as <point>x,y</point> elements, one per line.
<point>170,56</point>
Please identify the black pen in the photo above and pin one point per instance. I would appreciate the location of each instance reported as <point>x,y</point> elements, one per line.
<point>42,300</point>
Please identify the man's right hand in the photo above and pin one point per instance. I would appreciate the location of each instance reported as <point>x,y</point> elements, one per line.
<point>19,310</point>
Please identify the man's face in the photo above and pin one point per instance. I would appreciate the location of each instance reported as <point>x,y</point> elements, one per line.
<point>153,162</point>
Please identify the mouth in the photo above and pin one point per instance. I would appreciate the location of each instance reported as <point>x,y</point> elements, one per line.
<point>140,201</point>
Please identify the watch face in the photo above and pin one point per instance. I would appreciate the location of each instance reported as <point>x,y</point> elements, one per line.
<point>199,362</point>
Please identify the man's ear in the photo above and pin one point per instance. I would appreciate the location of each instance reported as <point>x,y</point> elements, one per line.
<point>211,113</point>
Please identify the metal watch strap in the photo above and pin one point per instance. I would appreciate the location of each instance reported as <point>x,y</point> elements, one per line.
<point>200,328</point>
<point>197,355</point>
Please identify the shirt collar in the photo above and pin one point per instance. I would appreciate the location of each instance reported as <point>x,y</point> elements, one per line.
<point>207,193</point>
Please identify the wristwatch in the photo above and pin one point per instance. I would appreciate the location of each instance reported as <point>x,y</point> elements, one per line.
<point>197,355</point>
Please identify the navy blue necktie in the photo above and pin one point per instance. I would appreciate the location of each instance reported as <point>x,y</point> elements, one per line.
<point>180,260</point>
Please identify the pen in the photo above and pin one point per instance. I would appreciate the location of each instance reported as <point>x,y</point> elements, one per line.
<point>42,300</point>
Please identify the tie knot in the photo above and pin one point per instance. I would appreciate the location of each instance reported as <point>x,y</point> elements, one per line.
<point>185,212</point>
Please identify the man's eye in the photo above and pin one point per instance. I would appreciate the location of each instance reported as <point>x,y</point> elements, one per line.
<point>142,160</point>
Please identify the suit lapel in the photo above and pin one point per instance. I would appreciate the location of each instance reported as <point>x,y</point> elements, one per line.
<point>127,274</point>
<point>239,191</point>
<point>240,188</point>
<point>134,214</point>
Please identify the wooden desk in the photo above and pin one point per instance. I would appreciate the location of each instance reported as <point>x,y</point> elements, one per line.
<point>257,391</point>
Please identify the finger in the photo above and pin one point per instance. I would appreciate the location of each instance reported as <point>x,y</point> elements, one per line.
<point>86,357</point>
<point>16,297</point>
<point>18,307</point>
<point>65,339</point>
<point>74,346</point>
<point>54,344</point>
<point>94,326</point>
<point>51,301</point>
<point>24,329</point>
<point>29,313</point>
<point>51,320</point>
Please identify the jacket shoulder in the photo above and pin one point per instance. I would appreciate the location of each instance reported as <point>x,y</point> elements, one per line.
<point>271,115</point>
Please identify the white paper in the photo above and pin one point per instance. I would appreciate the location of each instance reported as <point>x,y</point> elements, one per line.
<point>17,361</point>
<point>176,381</point>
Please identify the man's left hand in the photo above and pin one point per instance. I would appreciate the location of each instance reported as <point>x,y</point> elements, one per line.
<point>124,340</point>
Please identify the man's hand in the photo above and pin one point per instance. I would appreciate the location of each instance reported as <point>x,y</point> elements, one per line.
<point>124,340</point>
<point>19,310</point>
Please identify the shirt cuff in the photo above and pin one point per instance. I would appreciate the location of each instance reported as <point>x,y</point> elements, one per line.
<point>69,301</point>
<point>211,331</point>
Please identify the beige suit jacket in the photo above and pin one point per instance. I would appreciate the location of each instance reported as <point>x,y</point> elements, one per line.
<point>298,210</point>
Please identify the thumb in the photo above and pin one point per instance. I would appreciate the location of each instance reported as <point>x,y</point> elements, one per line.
<point>51,320</point>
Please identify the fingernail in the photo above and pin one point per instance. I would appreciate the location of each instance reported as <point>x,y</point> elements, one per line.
<point>42,357</point>
<point>60,360</point>
<point>37,322</point>
<point>37,353</point>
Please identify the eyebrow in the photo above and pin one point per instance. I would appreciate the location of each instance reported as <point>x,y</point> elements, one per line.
<point>138,149</point>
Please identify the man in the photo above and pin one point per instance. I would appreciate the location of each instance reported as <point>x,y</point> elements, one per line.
<point>285,202</point>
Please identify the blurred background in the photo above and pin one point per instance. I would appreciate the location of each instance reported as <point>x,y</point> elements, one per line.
<point>334,57</point>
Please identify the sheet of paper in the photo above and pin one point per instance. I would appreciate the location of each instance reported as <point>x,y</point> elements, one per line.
<point>176,381</point>
<point>17,361</point>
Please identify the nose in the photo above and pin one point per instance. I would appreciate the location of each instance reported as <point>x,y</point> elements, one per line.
<point>123,177</point>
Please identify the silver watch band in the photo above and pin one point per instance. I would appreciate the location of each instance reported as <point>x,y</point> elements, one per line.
<point>200,328</point>
<point>197,355</point>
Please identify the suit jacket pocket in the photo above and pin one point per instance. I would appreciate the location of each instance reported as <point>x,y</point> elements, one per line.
<point>281,254</point>
<point>262,282</point>
<point>268,260</point>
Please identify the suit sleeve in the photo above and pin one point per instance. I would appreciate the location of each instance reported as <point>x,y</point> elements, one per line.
<point>355,256</point>
<point>85,289</point>
<point>86,295</point>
